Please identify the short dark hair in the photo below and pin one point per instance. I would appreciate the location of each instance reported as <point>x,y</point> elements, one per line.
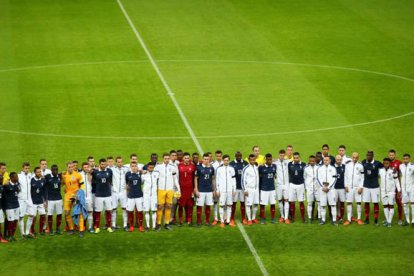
<point>110,157</point>
<point>268,155</point>
<point>325,146</point>
<point>226,156</point>
<point>2,164</point>
<point>41,160</point>
<point>186,154</point>
<point>54,166</point>
<point>386,159</point>
<point>35,169</point>
<point>75,161</point>
<point>296,153</point>
<point>318,153</point>
<point>90,157</point>
<point>392,151</point>
<point>85,163</point>
<point>407,155</point>
<point>132,155</point>
<point>165,154</point>
<point>282,151</point>
<point>195,154</point>
<point>102,160</point>
<point>12,174</point>
<point>150,164</point>
<point>341,147</point>
<point>25,164</point>
<point>218,152</point>
<point>255,147</point>
<point>251,156</point>
<point>172,151</point>
<point>206,154</point>
<point>154,154</point>
<point>117,158</point>
<point>311,156</point>
<point>370,152</point>
<point>180,150</point>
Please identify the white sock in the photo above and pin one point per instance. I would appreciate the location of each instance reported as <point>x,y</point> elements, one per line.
<point>124,217</point>
<point>333,211</point>
<point>387,213</point>
<point>154,219</point>
<point>249,212</point>
<point>407,212</point>
<point>412,213</point>
<point>310,210</point>
<point>29,224</point>
<point>390,215</point>
<point>90,220</point>
<point>21,226</point>
<point>254,212</point>
<point>319,210</point>
<point>147,219</point>
<point>323,213</point>
<point>222,214</point>
<point>286,210</point>
<point>349,208</point>
<point>113,218</point>
<point>215,207</point>
<point>228,213</point>
<point>281,209</point>
<point>359,211</point>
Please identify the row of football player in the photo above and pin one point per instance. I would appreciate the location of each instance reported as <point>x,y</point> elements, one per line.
<point>247,187</point>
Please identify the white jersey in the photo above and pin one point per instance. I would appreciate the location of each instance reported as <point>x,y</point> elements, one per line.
<point>250,178</point>
<point>150,182</point>
<point>346,160</point>
<point>225,179</point>
<point>326,174</point>
<point>139,165</point>
<point>354,175</point>
<point>407,177</point>
<point>282,172</point>
<point>24,181</point>
<point>388,181</point>
<point>216,164</point>
<point>168,176</point>
<point>87,182</point>
<point>310,174</point>
<point>118,179</point>
<point>46,172</point>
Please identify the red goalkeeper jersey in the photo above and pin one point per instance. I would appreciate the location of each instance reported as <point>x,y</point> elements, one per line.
<point>186,177</point>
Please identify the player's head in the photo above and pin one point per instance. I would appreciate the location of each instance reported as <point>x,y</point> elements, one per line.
<point>252,159</point>
<point>269,159</point>
<point>118,161</point>
<point>75,165</point>
<point>195,157</point>
<point>392,154</point>
<point>173,155</point>
<point>296,157</point>
<point>226,159</point>
<point>326,160</point>
<point>180,155</point>
<point>256,151</point>
<point>69,167</point>
<point>289,150</point>
<point>370,155</point>
<point>341,150</point>
<point>386,162</point>
<point>85,167</point>
<point>54,169</point>
<point>150,167</point>
<point>133,158</point>
<point>26,167</point>
<point>13,177</point>
<point>154,157</point>
<point>338,159</point>
<point>134,167</point>
<point>110,161</point>
<point>102,164</point>
<point>37,172</point>
<point>166,158</point>
<point>210,155</point>
<point>325,149</point>
<point>2,168</point>
<point>238,155</point>
<point>219,155</point>
<point>186,158</point>
<point>318,156</point>
<point>355,157</point>
<point>282,154</point>
<point>406,158</point>
<point>91,161</point>
<point>43,164</point>
<point>312,160</point>
<point>206,159</point>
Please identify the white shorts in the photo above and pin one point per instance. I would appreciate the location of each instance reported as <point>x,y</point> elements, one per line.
<point>150,202</point>
<point>252,197</point>
<point>353,196</point>
<point>239,196</point>
<point>226,198</point>
<point>24,207</point>
<point>388,199</point>
<point>296,192</point>
<point>408,197</point>
<point>328,198</point>
<point>119,198</point>
<point>89,204</point>
<point>54,206</point>
<point>36,208</point>
<point>103,204</point>
<point>1,216</point>
<point>205,199</point>
<point>312,194</point>
<point>135,203</point>
<point>371,195</point>
<point>282,192</point>
<point>340,195</point>
<point>12,214</point>
<point>268,197</point>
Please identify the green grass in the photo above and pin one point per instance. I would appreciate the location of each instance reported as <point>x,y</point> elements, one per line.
<point>236,68</point>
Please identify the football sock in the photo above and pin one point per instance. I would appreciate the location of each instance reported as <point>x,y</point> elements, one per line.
<point>208,213</point>
<point>90,220</point>
<point>154,218</point>
<point>233,210</point>
<point>243,210</point>
<point>249,213</point>
<point>310,204</point>
<point>167,214</point>
<point>108,216</point>
<point>113,218</point>
<point>199,210</point>
<point>323,213</point>
<point>386,213</point>
<point>21,226</point>
<point>287,207</point>
<point>159,216</point>
<point>69,222</point>
<point>407,212</point>
<point>400,210</point>
<point>29,225</point>
<point>254,211</point>
<point>349,209</point>
<point>50,222</point>
<point>272,211</point>
<point>333,211</point>
<point>131,218</point>
<point>319,210</point>
<point>228,211</point>
<point>412,213</point>
<point>302,210</point>
<point>376,210</point>
<point>359,211</point>
<point>147,219</point>
<point>215,211</point>
<point>366,206</point>
<point>262,211</point>
<point>221,213</point>
<point>97,219</point>
<point>180,214</point>
<point>342,209</point>
<point>292,210</point>
<point>281,209</point>
<point>124,217</point>
<point>391,214</point>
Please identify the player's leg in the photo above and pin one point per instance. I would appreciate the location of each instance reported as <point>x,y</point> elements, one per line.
<point>406,208</point>
<point>161,202</point>
<point>332,200</point>
<point>108,213</point>
<point>229,205</point>
<point>115,201</point>
<point>123,200</point>
<point>375,195</point>
<point>98,208</point>
<point>385,205</point>
<point>400,209</point>
<point>349,199</point>
<point>22,214</point>
<point>209,202</point>
<point>324,202</point>
<point>366,198</point>
<point>222,203</point>
<point>168,207</point>
<point>130,207</point>
<point>89,208</point>
<point>272,202</point>
<point>139,209</point>
<point>411,199</point>
<point>310,200</point>
<point>200,202</point>
<point>301,198</point>
<point>68,216</point>
<point>3,240</point>
<point>215,209</point>
<point>264,200</point>
<point>51,207</point>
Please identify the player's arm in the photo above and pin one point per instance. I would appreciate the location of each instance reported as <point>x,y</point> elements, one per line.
<point>333,180</point>
<point>213,183</point>
<point>397,184</point>
<point>317,177</point>
<point>175,180</point>
<point>234,187</point>
<point>196,186</point>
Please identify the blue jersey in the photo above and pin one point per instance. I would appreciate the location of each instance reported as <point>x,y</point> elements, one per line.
<point>205,178</point>
<point>238,168</point>
<point>296,171</point>
<point>103,182</point>
<point>371,173</point>
<point>37,189</point>
<point>267,176</point>
<point>134,184</point>
<point>340,176</point>
<point>53,184</point>
<point>11,196</point>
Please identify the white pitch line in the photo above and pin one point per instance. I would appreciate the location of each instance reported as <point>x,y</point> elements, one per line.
<point>161,76</point>
<point>252,249</point>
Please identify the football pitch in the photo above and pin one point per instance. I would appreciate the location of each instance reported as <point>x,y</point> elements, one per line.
<point>108,77</point>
